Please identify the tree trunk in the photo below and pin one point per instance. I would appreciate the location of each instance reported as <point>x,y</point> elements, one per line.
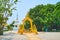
<point>1,30</point>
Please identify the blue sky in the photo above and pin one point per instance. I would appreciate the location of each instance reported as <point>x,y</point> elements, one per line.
<point>23,7</point>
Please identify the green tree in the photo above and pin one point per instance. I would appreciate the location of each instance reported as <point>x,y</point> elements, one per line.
<point>42,15</point>
<point>6,8</point>
<point>57,16</point>
<point>27,25</point>
<point>46,16</point>
<point>10,26</point>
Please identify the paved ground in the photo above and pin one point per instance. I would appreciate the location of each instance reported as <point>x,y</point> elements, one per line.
<point>32,37</point>
<point>12,36</point>
<point>27,36</point>
<point>49,35</point>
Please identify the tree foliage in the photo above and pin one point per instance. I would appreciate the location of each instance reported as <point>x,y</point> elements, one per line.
<point>46,16</point>
<point>10,26</point>
<point>6,8</point>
